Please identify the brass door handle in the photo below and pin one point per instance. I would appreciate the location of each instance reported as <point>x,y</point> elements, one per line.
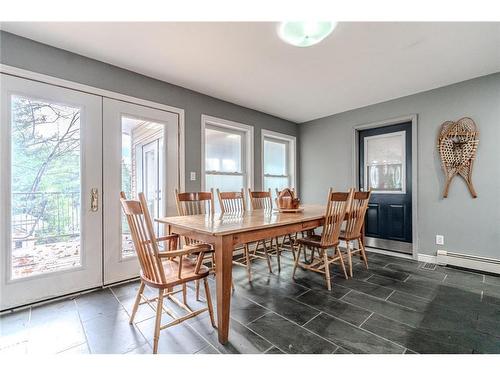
<point>94,200</point>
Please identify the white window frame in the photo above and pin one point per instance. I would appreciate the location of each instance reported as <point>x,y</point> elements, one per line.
<point>291,165</point>
<point>401,134</point>
<point>247,147</point>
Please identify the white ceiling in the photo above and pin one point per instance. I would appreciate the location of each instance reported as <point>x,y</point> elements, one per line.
<point>247,64</point>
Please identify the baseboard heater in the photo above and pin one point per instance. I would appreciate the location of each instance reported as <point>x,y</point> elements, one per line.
<point>468,261</point>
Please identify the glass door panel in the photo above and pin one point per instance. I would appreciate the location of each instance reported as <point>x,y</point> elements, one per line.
<point>45,180</point>
<point>385,163</point>
<point>51,155</point>
<point>148,156</point>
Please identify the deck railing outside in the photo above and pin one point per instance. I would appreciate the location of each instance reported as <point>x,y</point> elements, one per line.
<point>45,217</point>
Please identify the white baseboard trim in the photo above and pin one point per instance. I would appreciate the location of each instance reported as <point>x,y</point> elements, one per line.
<point>427,258</point>
<point>447,258</point>
<point>387,252</point>
<point>468,261</point>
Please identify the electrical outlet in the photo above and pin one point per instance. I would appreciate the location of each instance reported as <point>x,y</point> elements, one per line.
<point>193,176</point>
<point>439,239</point>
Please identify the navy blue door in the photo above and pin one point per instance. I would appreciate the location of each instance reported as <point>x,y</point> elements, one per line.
<point>385,167</point>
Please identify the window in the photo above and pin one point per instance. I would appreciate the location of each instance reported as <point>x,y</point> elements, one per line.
<point>278,161</point>
<point>385,163</point>
<point>227,155</point>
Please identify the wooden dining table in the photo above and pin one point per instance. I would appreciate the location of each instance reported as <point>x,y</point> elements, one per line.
<point>226,231</point>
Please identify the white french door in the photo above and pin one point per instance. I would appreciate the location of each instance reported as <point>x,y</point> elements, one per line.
<point>141,154</point>
<point>65,156</point>
<point>50,191</point>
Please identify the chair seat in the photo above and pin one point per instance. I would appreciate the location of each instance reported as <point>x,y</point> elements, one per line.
<point>314,240</point>
<point>171,270</point>
<point>202,245</point>
<point>343,237</point>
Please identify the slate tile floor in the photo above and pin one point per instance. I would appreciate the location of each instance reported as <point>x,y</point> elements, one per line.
<point>394,307</point>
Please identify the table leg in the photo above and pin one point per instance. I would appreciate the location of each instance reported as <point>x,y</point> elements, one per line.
<point>223,272</point>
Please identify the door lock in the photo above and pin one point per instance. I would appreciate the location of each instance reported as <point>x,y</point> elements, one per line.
<point>94,200</point>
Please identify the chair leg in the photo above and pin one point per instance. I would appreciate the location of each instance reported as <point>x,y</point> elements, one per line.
<point>362,251</point>
<point>349,257</point>
<point>159,310</point>
<point>278,253</point>
<point>249,264</point>
<point>256,247</point>
<point>137,300</point>
<point>197,289</point>
<point>292,247</point>
<point>296,260</point>
<point>209,303</point>
<point>305,254</point>
<point>339,254</point>
<point>213,262</point>
<point>268,258</point>
<point>184,294</point>
<point>327,269</point>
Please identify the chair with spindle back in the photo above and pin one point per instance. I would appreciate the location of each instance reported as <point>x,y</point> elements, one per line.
<point>334,216</point>
<point>262,200</point>
<point>163,270</point>
<point>354,224</point>
<point>197,203</point>
<point>234,203</point>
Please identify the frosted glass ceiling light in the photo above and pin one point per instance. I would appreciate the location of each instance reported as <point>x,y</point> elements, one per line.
<point>305,34</point>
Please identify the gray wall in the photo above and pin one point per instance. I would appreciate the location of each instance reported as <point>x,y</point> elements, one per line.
<point>30,55</point>
<point>470,226</point>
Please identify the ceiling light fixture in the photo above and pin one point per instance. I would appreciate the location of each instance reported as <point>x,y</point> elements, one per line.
<point>305,34</point>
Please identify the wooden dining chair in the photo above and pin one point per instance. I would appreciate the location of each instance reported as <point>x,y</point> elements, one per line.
<point>197,203</point>
<point>262,200</point>
<point>235,203</point>
<point>353,227</point>
<point>232,202</point>
<point>336,208</point>
<point>164,270</point>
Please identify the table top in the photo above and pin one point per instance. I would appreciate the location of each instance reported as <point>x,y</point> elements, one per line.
<point>222,224</point>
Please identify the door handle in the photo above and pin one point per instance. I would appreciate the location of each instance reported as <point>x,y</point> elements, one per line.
<point>94,200</point>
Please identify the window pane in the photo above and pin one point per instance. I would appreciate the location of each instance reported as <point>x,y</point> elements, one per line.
<point>224,182</point>
<point>274,183</point>
<point>223,151</point>
<point>385,162</point>
<point>142,157</point>
<point>46,203</point>
<point>275,158</point>
<point>385,177</point>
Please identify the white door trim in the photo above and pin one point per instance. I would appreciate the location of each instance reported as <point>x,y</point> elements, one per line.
<point>28,74</point>
<point>414,161</point>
